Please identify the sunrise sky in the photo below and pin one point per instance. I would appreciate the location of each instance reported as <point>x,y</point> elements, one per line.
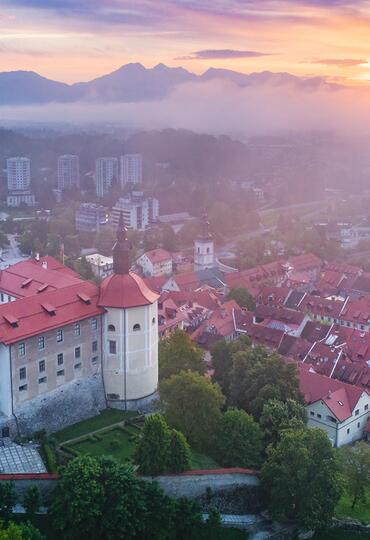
<point>76,40</point>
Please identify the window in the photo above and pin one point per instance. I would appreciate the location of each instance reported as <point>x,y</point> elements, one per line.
<point>22,349</point>
<point>41,342</point>
<point>312,413</point>
<point>136,327</point>
<point>318,415</point>
<point>60,359</point>
<point>2,297</point>
<point>94,324</point>
<point>94,346</point>
<point>60,336</point>
<point>331,419</point>
<point>42,366</point>
<point>153,320</point>
<point>357,412</point>
<point>366,407</point>
<point>78,352</point>
<point>111,328</point>
<point>42,380</point>
<point>77,329</point>
<point>5,432</point>
<point>94,360</point>
<point>112,347</point>
<point>22,373</point>
<point>23,388</point>
<point>348,430</point>
<point>78,366</point>
<point>358,424</point>
<point>60,373</point>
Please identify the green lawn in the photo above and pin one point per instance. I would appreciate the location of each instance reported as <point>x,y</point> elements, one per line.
<point>361,511</point>
<point>338,534</point>
<point>200,461</point>
<point>104,419</point>
<point>115,443</point>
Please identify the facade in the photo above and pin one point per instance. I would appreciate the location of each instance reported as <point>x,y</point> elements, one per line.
<point>18,173</point>
<point>204,249</point>
<point>91,217</point>
<point>69,350</point>
<point>68,172</point>
<point>138,212</point>
<point>157,262</point>
<point>106,172</point>
<point>20,198</point>
<point>131,169</point>
<point>101,266</point>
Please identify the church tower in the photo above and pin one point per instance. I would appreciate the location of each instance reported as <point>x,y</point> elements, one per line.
<point>130,332</point>
<point>204,249</point>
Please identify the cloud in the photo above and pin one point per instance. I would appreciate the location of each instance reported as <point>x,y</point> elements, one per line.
<point>221,107</point>
<point>215,54</point>
<point>339,62</point>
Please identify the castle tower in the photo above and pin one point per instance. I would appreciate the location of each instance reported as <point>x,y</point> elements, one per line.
<point>130,332</point>
<point>204,249</point>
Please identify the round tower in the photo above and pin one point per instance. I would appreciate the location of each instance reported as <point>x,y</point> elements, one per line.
<point>130,332</point>
<point>204,249</point>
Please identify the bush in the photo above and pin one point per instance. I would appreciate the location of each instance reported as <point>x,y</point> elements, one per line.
<point>50,458</point>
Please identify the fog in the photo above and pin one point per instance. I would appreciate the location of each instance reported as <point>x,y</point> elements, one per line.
<point>221,107</point>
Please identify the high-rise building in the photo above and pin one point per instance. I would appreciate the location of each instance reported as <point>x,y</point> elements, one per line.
<point>131,169</point>
<point>138,212</point>
<point>106,172</point>
<point>68,172</point>
<point>91,217</point>
<point>18,173</point>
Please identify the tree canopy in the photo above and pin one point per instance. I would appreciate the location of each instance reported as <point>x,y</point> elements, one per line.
<point>177,353</point>
<point>356,470</point>
<point>277,416</point>
<point>243,298</point>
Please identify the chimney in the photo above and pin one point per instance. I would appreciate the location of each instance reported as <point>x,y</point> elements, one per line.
<point>44,265</point>
<point>37,256</point>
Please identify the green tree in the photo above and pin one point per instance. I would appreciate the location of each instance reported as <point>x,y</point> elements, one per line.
<point>179,352</point>
<point>104,241</point>
<point>187,517</point>
<point>278,416</point>
<point>168,238</point>
<point>222,360</point>
<point>179,455</point>
<point>8,499</point>
<point>192,404</point>
<point>84,268</point>
<point>238,440</point>
<point>151,454</point>
<point>243,298</point>
<point>301,478</point>
<point>32,501</point>
<point>257,376</point>
<point>355,462</point>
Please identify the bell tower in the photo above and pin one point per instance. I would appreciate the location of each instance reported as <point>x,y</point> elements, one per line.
<point>204,249</point>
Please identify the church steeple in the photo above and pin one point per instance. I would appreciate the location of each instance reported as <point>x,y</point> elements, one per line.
<point>121,249</point>
<point>205,233</point>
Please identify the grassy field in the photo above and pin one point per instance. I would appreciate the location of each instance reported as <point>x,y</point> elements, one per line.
<point>104,419</point>
<point>115,443</point>
<point>361,511</point>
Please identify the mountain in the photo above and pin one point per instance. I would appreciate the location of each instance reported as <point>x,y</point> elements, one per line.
<point>133,83</point>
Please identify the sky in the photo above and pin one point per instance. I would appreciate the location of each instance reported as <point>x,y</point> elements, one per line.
<point>77,40</point>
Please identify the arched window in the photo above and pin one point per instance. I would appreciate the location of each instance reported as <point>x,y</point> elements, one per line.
<point>208,250</point>
<point>111,328</point>
<point>153,320</point>
<point>136,327</point>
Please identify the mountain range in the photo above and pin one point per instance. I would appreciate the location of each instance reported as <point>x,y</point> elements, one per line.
<point>133,83</point>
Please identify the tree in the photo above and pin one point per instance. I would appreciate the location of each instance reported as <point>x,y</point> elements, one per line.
<point>168,238</point>
<point>179,352</point>
<point>83,267</point>
<point>8,499</point>
<point>278,416</point>
<point>187,517</point>
<point>238,440</point>
<point>104,241</point>
<point>257,376</point>
<point>355,462</point>
<point>151,454</point>
<point>222,360</point>
<point>179,455</point>
<point>243,298</point>
<point>301,478</point>
<point>192,404</point>
<point>32,501</point>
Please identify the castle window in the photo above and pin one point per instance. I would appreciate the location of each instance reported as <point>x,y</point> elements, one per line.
<point>136,327</point>
<point>60,336</point>
<point>22,349</point>
<point>78,352</point>
<point>208,250</point>
<point>22,373</point>
<point>60,359</point>
<point>23,388</point>
<point>41,343</point>
<point>42,366</point>
<point>94,346</point>
<point>77,366</point>
<point>94,324</point>
<point>111,328</point>
<point>42,380</point>
<point>94,360</point>
<point>153,320</point>
<point>112,347</point>
<point>77,329</point>
<point>60,373</point>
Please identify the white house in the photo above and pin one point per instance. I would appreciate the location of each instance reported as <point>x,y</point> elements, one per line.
<point>157,262</point>
<point>101,266</point>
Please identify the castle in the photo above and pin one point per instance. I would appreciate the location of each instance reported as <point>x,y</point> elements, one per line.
<point>70,348</point>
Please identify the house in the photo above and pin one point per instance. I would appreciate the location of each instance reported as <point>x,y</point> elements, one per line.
<point>324,310</point>
<point>155,263</point>
<point>101,266</point>
<point>290,321</point>
<point>356,313</point>
<point>340,409</point>
<point>270,295</point>
<point>221,325</point>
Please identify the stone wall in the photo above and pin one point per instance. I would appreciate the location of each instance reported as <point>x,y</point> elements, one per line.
<point>196,483</point>
<point>71,403</point>
<point>45,482</point>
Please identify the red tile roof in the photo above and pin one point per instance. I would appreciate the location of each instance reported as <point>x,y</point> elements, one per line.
<point>285,315</point>
<point>37,314</point>
<point>321,306</point>
<point>357,311</point>
<point>301,263</point>
<point>187,281</point>
<point>158,255</point>
<point>125,291</point>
